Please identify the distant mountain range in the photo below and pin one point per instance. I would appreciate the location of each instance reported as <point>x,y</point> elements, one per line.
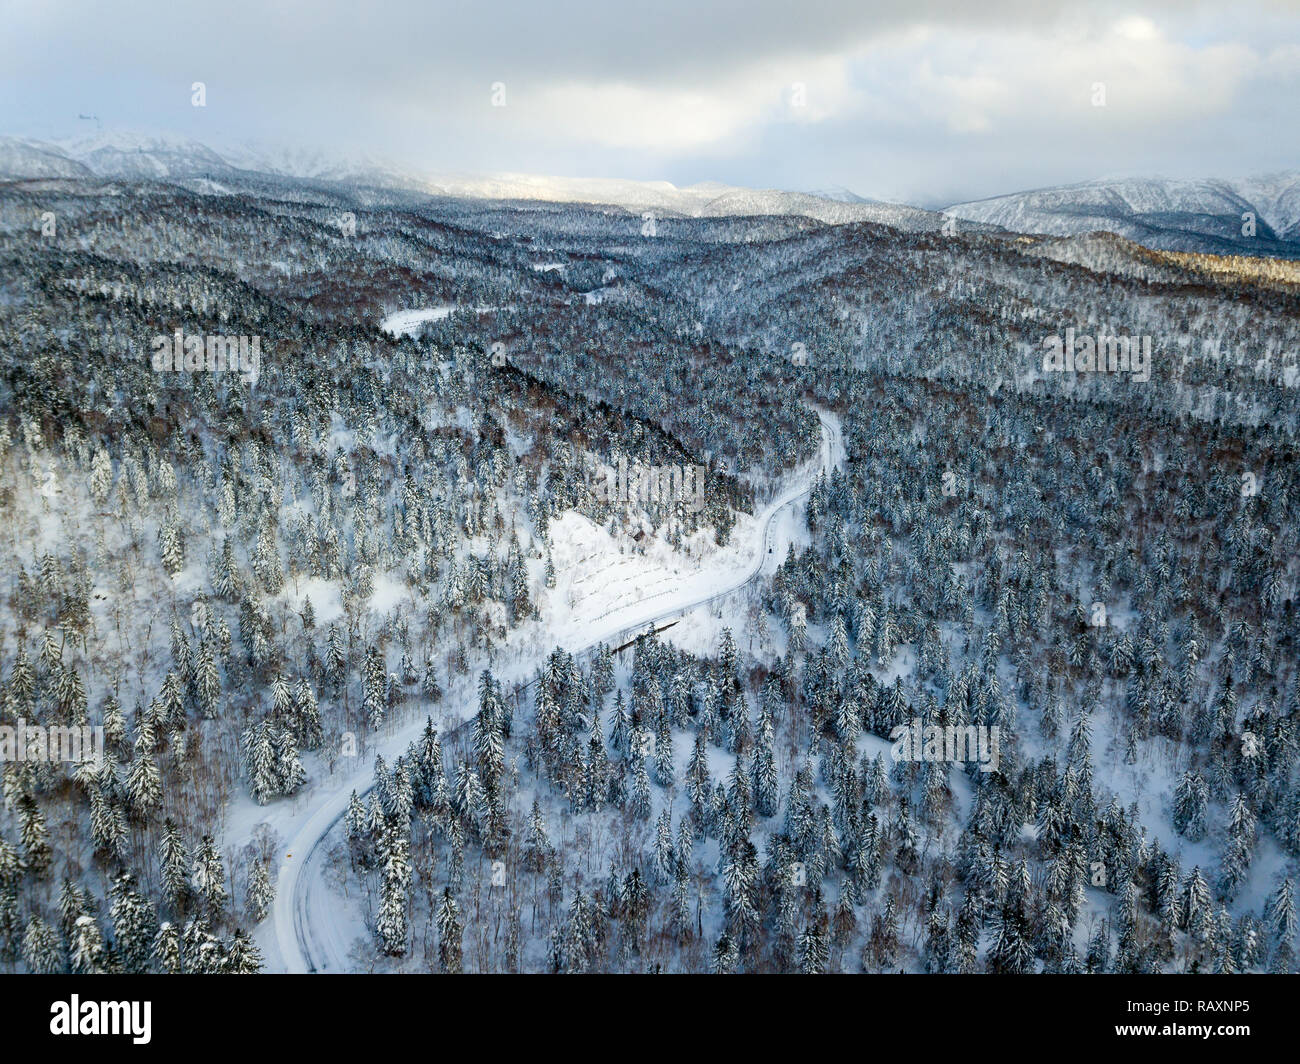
<point>1207,216</point>
<point>1202,216</point>
<point>168,158</point>
<point>115,154</point>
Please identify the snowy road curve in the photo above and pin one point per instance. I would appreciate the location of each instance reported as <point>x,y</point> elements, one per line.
<point>306,939</point>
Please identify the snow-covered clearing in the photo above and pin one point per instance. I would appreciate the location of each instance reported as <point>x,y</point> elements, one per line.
<point>408,322</point>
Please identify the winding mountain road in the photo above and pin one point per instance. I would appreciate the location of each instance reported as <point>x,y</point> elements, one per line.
<point>309,942</point>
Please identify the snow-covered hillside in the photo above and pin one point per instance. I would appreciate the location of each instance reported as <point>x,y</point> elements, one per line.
<point>123,154</point>
<point>376,561</point>
<point>20,157</point>
<point>1198,216</point>
<point>1205,215</point>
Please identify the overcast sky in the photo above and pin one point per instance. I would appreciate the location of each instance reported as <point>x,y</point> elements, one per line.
<point>925,101</point>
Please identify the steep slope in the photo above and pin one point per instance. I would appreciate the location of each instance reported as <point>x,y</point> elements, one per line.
<point>24,158</point>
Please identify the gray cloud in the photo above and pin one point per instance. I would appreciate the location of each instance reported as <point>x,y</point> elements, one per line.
<point>927,100</point>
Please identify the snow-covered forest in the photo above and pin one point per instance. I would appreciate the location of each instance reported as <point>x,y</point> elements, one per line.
<point>387,682</point>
